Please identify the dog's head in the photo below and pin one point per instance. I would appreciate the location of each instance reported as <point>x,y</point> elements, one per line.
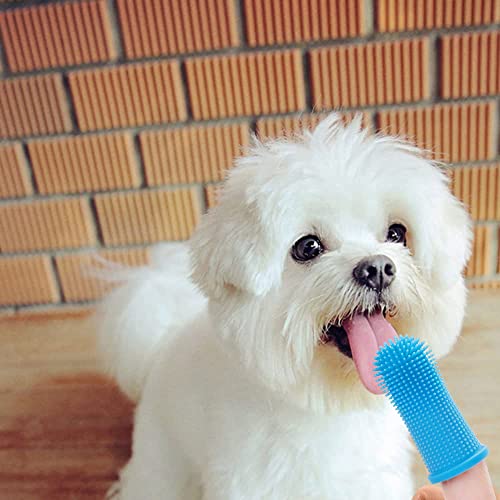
<point>308,233</point>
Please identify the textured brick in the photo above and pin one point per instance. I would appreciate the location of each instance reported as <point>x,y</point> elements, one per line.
<point>462,132</point>
<point>288,126</point>
<point>369,74</point>
<point>79,273</point>
<point>270,22</point>
<point>33,106</point>
<point>14,179</point>
<point>479,263</point>
<point>147,216</point>
<point>246,84</point>
<point>479,188</point>
<point>43,225</point>
<point>56,35</point>
<point>85,163</point>
<point>27,280</point>
<point>159,27</point>
<point>470,65</point>
<point>128,96</point>
<point>212,192</point>
<point>191,154</point>
<point>485,285</point>
<point>410,15</point>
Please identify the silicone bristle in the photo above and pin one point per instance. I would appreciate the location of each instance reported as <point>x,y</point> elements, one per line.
<point>407,372</point>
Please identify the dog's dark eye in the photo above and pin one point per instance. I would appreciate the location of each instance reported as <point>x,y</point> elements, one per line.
<point>307,248</point>
<point>396,234</point>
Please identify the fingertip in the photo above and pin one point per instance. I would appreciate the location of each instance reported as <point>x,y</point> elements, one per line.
<point>429,493</point>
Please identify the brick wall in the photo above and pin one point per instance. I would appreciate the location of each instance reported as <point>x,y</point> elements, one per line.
<point>119,117</point>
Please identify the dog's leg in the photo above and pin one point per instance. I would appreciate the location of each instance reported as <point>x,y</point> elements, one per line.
<point>158,470</point>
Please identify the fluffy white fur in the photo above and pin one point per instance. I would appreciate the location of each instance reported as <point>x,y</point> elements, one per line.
<point>237,397</point>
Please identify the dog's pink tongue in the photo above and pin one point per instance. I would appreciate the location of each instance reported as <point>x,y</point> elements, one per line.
<point>366,334</point>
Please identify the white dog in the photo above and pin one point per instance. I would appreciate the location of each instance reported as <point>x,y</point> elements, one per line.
<point>255,380</point>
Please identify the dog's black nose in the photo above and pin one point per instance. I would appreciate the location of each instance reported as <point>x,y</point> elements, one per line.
<point>376,272</point>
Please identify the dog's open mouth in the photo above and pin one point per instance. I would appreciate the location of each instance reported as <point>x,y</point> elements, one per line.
<point>335,334</point>
<point>359,338</point>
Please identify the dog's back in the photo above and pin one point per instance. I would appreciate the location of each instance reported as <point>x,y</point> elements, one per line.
<point>144,312</point>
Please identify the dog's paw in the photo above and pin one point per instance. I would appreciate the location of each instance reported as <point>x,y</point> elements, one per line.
<point>114,491</point>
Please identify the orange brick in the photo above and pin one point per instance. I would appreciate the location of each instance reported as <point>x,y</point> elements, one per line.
<point>270,22</point>
<point>479,188</point>
<point>485,285</point>
<point>479,263</point>
<point>158,27</point>
<point>128,96</point>
<point>369,74</point>
<point>191,154</point>
<point>78,273</point>
<point>212,193</point>
<point>410,15</point>
<point>27,280</point>
<point>455,133</point>
<point>54,35</point>
<point>13,174</point>
<point>246,84</point>
<point>147,216</point>
<point>470,64</point>
<point>288,126</point>
<point>33,106</point>
<point>85,163</point>
<point>47,224</point>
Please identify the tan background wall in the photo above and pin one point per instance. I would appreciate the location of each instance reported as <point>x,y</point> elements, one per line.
<point>118,118</point>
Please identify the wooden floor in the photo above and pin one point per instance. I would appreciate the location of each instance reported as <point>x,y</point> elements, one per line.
<point>64,430</point>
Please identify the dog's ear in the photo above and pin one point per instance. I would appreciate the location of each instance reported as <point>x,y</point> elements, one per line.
<point>454,249</point>
<point>448,235</point>
<point>237,244</point>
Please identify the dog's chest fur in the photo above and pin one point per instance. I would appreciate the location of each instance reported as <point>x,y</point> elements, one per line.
<point>248,445</point>
<point>358,455</point>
